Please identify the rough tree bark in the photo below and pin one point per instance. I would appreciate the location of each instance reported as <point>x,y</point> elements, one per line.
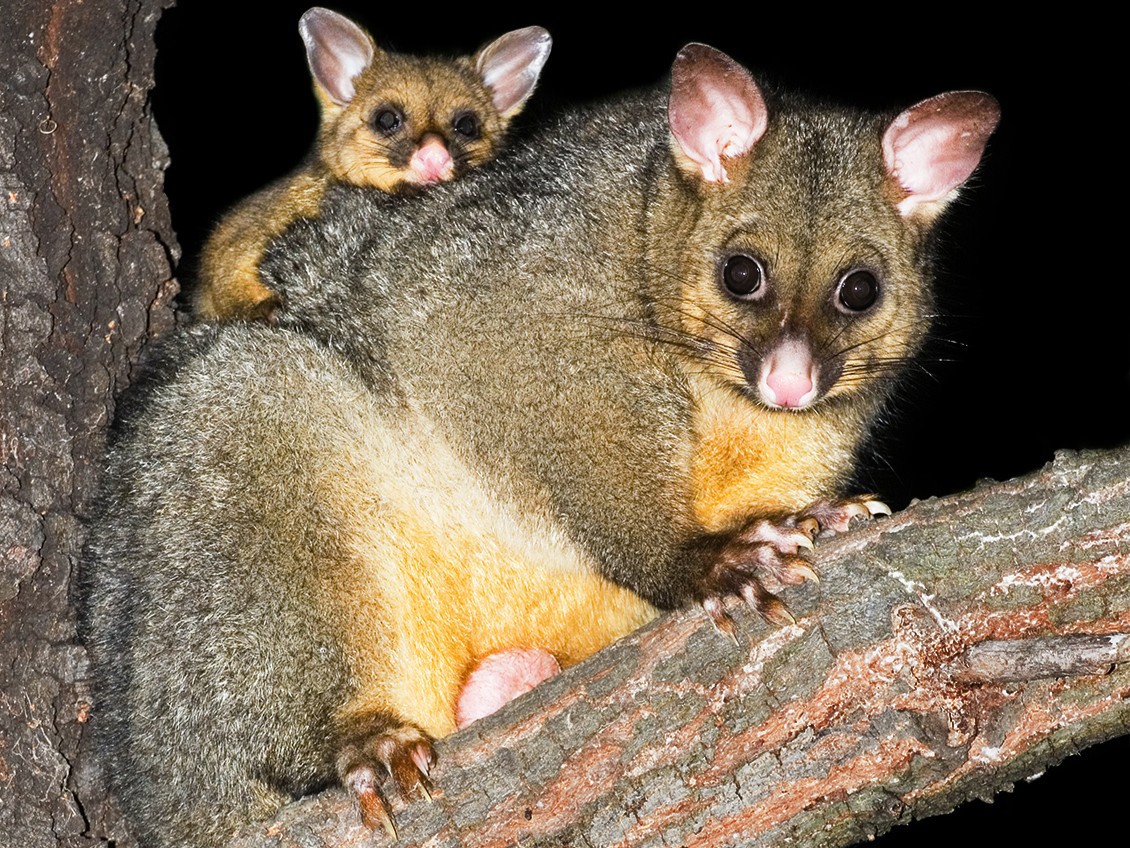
<point>876,706</point>
<point>86,251</point>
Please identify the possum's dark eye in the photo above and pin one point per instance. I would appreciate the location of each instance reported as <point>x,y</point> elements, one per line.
<point>742,274</point>
<point>858,291</point>
<point>387,120</point>
<point>467,125</point>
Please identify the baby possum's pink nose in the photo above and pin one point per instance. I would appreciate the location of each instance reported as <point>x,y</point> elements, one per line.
<point>431,163</point>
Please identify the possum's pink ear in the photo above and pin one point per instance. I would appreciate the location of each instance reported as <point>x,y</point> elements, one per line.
<point>933,147</point>
<point>716,110</point>
<point>510,66</point>
<point>337,51</point>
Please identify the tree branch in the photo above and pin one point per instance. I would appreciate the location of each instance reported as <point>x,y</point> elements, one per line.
<point>948,652</point>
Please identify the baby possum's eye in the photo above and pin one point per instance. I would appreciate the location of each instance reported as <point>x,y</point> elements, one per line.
<point>858,291</point>
<point>387,120</point>
<point>467,125</point>
<point>742,275</point>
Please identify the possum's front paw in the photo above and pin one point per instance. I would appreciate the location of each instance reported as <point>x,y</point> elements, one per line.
<point>367,761</point>
<point>828,517</point>
<point>741,563</point>
<point>769,551</point>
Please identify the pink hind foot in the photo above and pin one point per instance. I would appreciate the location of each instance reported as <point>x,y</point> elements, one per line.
<point>499,678</point>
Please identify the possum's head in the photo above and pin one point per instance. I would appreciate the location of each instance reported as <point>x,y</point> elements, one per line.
<point>799,235</point>
<point>392,121</point>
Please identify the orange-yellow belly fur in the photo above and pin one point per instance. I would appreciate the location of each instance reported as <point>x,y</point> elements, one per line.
<point>444,572</point>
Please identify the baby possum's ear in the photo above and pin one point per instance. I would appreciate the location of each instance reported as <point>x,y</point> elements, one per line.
<point>337,51</point>
<point>510,66</point>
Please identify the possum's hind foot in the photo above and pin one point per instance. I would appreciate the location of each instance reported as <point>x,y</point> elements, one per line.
<point>499,678</point>
<point>367,761</point>
<point>769,551</point>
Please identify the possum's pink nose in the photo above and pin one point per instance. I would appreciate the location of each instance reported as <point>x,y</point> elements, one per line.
<point>431,163</point>
<point>788,376</point>
<point>790,388</point>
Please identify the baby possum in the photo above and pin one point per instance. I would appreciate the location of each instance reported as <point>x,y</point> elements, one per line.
<point>389,121</point>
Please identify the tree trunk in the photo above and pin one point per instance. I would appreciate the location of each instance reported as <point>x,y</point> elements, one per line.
<point>916,676</point>
<point>86,250</point>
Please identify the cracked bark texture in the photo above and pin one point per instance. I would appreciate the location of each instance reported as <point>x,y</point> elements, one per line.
<point>86,250</point>
<point>915,678</point>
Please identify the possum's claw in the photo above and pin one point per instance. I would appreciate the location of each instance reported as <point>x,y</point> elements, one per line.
<point>771,551</point>
<point>363,783</point>
<point>367,761</point>
<point>829,517</point>
<point>742,563</point>
<point>712,606</point>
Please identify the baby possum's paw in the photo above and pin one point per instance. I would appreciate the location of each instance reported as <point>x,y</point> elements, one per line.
<point>366,762</point>
<point>769,551</point>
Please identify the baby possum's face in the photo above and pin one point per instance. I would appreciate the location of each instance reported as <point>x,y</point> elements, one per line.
<point>394,122</point>
<point>414,122</point>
